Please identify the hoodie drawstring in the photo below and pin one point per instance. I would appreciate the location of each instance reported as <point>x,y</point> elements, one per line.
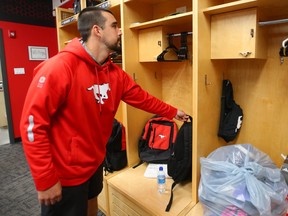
<point>97,77</point>
<point>99,92</point>
<point>112,99</point>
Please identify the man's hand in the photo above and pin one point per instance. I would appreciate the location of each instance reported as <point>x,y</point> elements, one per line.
<point>181,116</point>
<point>51,195</point>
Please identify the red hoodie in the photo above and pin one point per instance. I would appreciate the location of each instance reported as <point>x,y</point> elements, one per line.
<point>68,115</point>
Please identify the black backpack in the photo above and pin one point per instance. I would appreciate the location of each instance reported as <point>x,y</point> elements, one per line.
<point>116,156</point>
<point>157,140</point>
<point>231,114</point>
<point>180,162</point>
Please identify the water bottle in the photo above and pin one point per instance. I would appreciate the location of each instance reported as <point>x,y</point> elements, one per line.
<point>161,180</point>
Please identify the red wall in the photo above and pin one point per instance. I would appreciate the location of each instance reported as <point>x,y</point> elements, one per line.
<point>17,56</point>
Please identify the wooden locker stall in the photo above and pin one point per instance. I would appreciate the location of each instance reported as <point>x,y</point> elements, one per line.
<point>130,192</point>
<point>258,83</point>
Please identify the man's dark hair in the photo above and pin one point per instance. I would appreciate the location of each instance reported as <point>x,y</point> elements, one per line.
<point>88,17</point>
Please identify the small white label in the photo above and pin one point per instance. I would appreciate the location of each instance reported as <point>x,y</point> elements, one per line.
<point>181,9</point>
<point>19,71</point>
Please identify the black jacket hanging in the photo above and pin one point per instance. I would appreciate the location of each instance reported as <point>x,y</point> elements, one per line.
<point>231,114</point>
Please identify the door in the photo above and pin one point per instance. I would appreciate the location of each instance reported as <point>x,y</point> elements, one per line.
<point>234,35</point>
<point>6,129</point>
<point>4,134</point>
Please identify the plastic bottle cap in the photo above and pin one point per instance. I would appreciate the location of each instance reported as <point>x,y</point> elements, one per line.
<point>160,168</point>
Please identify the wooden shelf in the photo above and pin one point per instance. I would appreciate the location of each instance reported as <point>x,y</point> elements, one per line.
<point>68,21</point>
<point>115,3</point>
<point>132,184</point>
<point>68,17</point>
<point>269,10</point>
<point>146,1</point>
<point>169,20</point>
<point>237,5</point>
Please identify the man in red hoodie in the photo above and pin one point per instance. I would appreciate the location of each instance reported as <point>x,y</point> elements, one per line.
<point>68,115</point>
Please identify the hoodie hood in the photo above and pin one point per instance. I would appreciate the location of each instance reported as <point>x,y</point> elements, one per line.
<point>76,47</point>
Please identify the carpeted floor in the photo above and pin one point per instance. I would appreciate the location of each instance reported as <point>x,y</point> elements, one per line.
<point>17,192</point>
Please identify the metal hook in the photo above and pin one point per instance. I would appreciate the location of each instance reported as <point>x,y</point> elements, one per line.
<point>284,43</point>
<point>283,50</point>
<point>134,77</point>
<point>206,80</point>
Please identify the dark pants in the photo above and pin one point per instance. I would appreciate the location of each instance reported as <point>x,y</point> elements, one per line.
<point>75,198</point>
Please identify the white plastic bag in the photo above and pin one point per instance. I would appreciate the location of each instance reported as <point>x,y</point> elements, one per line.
<point>241,180</point>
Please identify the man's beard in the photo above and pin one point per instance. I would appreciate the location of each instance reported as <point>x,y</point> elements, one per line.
<point>115,47</point>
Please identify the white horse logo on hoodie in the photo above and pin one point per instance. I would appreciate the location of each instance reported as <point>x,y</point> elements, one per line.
<point>100,92</point>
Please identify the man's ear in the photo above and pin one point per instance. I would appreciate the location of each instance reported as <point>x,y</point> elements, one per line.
<point>97,30</point>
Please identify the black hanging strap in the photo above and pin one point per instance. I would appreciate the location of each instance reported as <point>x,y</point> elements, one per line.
<point>183,51</point>
<point>171,197</point>
<point>140,162</point>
